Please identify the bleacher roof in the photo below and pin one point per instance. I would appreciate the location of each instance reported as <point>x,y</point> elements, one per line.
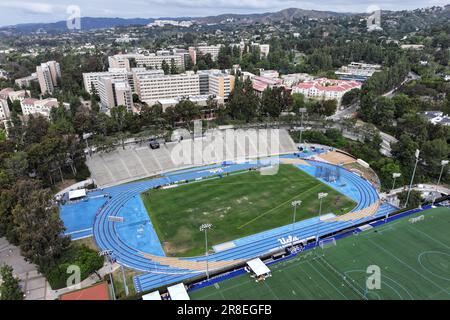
<point>258,267</point>
<point>178,292</point>
<point>155,295</point>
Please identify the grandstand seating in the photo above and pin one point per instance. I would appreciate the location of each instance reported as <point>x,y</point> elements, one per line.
<point>335,157</point>
<point>136,162</point>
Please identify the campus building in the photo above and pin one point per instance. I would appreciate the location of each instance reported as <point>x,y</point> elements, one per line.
<point>25,82</point>
<point>31,106</point>
<point>91,80</point>
<point>9,93</point>
<point>326,89</point>
<point>4,109</point>
<point>221,84</point>
<point>357,71</point>
<point>151,86</point>
<point>151,61</point>
<point>48,74</point>
<point>203,50</point>
<point>115,92</point>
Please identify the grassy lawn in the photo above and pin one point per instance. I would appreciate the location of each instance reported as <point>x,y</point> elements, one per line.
<point>237,205</point>
<point>413,258</point>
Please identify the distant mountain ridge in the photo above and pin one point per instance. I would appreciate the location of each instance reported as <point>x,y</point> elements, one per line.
<point>282,15</point>
<point>87,23</point>
<point>91,23</point>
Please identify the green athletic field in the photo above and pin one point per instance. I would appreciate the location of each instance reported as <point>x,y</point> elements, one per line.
<point>238,205</point>
<point>414,260</point>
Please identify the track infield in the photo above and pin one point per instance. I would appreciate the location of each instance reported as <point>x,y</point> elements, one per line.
<point>414,260</point>
<point>237,205</point>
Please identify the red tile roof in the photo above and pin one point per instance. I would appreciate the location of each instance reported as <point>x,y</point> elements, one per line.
<point>324,84</point>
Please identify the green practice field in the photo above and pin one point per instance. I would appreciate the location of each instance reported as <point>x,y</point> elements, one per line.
<point>238,205</point>
<point>414,260</point>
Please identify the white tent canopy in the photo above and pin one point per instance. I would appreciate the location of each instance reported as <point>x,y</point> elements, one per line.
<point>178,292</point>
<point>76,194</point>
<point>258,267</point>
<point>152,296</point>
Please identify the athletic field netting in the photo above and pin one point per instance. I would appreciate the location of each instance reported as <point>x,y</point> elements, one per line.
<point>413,257</point>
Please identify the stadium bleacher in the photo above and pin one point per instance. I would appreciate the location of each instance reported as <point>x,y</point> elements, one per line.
<point>138,161</point>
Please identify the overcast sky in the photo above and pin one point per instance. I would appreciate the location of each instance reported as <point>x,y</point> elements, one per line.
<point>27,11</point>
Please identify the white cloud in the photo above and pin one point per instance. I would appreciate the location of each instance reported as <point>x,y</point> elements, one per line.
<point>31,7</point>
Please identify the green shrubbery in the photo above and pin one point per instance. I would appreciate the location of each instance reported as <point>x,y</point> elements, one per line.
<point>81,256</point>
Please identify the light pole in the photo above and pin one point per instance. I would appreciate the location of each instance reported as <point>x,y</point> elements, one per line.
<point>443,164</point>
<point>412,178</point>
<point>321,195</point>
<point>295,204</point>
<point>86,136</point>
<point>395,175</point>
<point>302,111</point>
<point>205,227</point>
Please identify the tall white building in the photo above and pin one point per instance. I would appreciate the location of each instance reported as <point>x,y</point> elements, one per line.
<point>48,74</point>
<point>151,61</point>
<point>114,93</point>
<point>151,86</point>
<point>91,80</point>
<point>4,109</point>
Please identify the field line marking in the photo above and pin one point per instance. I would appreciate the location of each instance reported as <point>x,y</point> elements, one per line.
<point>320,273</point>
<point>315,281</point>
<point>280,205</point>
<point>271,291</point>
<point>430,237</point>
<point>407,265</point>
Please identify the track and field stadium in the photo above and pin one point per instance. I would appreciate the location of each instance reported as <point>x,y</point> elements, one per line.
<point>152,225</point>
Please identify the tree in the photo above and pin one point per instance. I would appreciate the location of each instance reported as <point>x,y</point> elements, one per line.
<point>173,67</point>
<point>39,228</point>
<point>165,67</point>
<point>298,102</point>
<point>187,111</point>
<point>118,117</point>
<point>274,101</point>
<point>10,286</point>
<point>415,198</point>
<point>242,103</point>
<point>350,97</point>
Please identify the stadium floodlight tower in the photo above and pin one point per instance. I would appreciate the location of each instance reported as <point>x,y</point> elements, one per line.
<point>302,111</point>
<point>443,164</point>
<point>295,204</point>
<point>321,195</point>
<point>205,227</point>
<point>395,175</point>
<point>417,153</point>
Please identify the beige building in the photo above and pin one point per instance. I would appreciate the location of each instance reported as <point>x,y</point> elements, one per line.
<point>31,106</point>
<point>203,49</point>
<point>114,92</point>
<point>25,82</point>
<point>151,86</point>
<point>221,84</point>
<point>48,74</point>
<point>9,93</point>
